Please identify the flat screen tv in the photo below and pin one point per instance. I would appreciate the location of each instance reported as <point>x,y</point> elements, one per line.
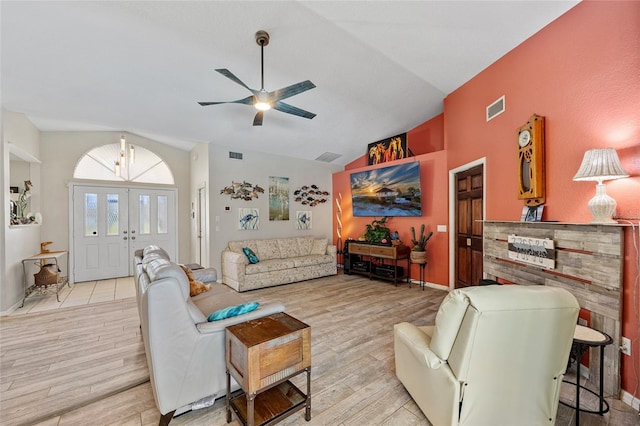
<point>388,191</point>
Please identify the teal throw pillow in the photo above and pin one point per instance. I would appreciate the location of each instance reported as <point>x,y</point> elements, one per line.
<point>250,255</point>
<point>233,311</point>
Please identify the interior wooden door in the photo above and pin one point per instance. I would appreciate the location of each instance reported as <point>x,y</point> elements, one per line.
<point>469,216</point>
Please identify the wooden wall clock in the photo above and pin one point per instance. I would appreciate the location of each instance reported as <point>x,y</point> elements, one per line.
<point>531,168</point>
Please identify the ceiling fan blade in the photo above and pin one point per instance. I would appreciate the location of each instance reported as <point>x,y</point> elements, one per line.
<point>290,109</point>
<point>249,100</point>
<point>235,79</point>
<point>294,89</point>
<point>257,120</point>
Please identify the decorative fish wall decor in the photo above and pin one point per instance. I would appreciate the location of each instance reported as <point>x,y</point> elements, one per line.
<point>310,195</point>
<point>242,191</point>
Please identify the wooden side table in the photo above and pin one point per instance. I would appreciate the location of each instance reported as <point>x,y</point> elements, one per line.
<point>262,355</point>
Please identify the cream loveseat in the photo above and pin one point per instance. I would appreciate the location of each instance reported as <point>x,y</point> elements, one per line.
<point>495,356</point>
<point>281,261</point>
<point>185,353</point>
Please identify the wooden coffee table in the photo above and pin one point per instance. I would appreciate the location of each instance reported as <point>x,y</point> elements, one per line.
<point>262,355</point>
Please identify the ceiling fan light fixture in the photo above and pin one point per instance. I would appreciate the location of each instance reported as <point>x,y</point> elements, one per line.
<point>262,100</point>
<point>262,106</point>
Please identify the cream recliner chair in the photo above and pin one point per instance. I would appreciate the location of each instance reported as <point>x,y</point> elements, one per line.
<point>495,356</point>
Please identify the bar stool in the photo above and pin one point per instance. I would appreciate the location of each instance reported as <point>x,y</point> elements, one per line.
<point>583,339</point>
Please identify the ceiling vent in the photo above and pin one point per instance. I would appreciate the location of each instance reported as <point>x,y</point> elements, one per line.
<point>328,157</point>
<point>496,108</point>
<point>235,155</point>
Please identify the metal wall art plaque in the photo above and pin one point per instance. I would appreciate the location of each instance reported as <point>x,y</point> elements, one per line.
<point>533,251</point>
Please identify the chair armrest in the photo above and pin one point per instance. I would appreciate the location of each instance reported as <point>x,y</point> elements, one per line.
<point>217,326</point>
<point>332,250</point>
<point>417,341</point>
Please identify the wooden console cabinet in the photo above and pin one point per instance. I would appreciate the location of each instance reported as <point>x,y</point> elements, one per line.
<point>371,260</point>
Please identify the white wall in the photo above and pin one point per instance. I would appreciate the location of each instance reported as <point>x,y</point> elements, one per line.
<point>256,167</point>
<point>18,242</point>
<point>60,152</point>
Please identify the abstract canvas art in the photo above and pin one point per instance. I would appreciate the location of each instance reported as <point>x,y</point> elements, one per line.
<point>278,198</point>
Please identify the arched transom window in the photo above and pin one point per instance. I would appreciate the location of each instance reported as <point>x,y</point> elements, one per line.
<point>133,164</point>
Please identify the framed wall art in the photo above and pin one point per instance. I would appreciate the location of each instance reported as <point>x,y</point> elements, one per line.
<point>248,218</point>
<point>278,198</point>
<point>303,219</point>
<point>390,149</point>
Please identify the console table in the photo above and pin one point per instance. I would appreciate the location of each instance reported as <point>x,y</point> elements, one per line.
<point>262,355</point>
<point>369,259</point>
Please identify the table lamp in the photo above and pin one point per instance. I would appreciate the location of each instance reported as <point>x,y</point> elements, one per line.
<point>600,165</point>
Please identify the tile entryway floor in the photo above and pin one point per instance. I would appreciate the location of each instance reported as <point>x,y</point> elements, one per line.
<point>79,294</point>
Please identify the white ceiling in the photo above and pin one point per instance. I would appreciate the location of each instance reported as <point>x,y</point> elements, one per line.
<point>380,67</point>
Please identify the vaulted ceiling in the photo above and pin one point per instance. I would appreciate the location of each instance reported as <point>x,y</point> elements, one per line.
<point>380,67</point>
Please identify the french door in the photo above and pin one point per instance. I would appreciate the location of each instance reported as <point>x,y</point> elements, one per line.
<point>110,223</point>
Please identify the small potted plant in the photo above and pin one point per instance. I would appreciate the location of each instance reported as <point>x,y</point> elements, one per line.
<point>378,232</point>
<point>418,252</point>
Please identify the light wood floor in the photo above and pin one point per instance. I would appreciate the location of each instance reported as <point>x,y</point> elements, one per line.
<point>99,346</point>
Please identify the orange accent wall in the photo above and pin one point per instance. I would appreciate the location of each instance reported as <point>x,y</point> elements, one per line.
<point>582,73</point>
<point>433,183</point>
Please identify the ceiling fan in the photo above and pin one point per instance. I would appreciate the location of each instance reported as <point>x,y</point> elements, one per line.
<point>263,100</point>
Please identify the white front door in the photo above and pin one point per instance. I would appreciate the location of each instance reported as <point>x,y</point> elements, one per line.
<point>109,224</point>
<point>100,226</point>
<point>153,219</point>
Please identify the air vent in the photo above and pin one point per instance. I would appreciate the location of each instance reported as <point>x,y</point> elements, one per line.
<point>495,109</point>
<point>235,155</point>
<point>328,157</point>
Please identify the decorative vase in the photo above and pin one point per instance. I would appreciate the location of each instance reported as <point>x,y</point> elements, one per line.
<point>418,257</point>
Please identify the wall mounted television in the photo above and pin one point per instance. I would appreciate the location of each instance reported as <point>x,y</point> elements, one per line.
<point>387,191</point>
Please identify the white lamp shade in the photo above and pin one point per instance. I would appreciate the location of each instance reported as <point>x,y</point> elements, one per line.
<point>600,165</point>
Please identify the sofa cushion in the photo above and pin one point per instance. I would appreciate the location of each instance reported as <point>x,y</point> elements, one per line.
<point>288,247</point>
<point>304,245</point>
<point>250,255</point>
<point>268,249</point>
<point>312,260</point>
<point>269,266</point>
<point>233,311</point>
<point>237,246</point>
<point>319,246</point>
<point>206,275</point>
<point>155,249</point>
<point>220,296</point>
<point>161,268</point>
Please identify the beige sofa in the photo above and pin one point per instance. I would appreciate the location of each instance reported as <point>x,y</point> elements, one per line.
<point>282,261</point>
<point>185,353</point>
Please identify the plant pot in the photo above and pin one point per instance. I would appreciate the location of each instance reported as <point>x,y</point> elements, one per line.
<point>418,257</point>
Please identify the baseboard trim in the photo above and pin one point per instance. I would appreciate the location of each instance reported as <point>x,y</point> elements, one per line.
<point>431,285</point>
<point>630,400</point>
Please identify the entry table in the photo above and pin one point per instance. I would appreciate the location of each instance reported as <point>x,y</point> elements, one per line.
<point>40,260</point>
<point>262,355</point>
<point>583,338</point>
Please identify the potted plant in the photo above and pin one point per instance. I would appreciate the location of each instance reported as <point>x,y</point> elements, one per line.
<point>378,232</point>
<point>418,252</point>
